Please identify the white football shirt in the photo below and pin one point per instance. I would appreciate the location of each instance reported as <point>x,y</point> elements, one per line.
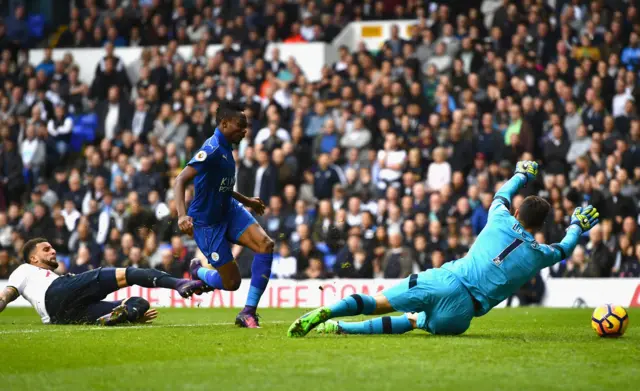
<point>32,283</point>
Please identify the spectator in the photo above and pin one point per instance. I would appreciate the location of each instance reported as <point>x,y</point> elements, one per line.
<point>580,145</point>
<point>7,264</point>
<point>324,178</point>
<point>577,264</point>
<point>11,168</point>
<point>33,153</point>
<point>265,177</point>
<point>284,264</point>
<point>601,261</point>
<point>315,270</point>
<point>17,29</point>
<point>439,172</point>
<point>114,115</point>
<point>59,128</point>
<point>168,265</point>
<point>481,213</point>
<point>136,259</point>
<point>398,260</point>
<point>81,262</point>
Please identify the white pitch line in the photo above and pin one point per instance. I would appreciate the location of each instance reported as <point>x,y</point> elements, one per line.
<point>103,328</point>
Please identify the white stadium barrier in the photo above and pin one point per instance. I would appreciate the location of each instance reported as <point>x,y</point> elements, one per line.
<point>311,57</point>
<point>560,293</point>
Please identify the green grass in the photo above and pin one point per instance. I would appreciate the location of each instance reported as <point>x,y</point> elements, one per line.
<point>198,349</point>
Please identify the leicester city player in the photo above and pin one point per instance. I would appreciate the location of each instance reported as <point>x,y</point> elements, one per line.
<point>443,301</point>
<point>217,217</point>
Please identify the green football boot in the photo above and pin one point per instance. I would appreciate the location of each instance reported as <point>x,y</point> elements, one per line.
<point>329,327</point>
<point>308,322</point>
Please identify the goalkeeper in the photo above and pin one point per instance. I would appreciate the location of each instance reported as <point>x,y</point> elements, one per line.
<point>443,301</point>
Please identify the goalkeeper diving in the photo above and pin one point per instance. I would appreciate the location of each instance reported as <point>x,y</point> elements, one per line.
<point>444,301</point>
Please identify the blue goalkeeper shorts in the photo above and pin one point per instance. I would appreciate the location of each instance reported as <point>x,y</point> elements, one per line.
<point>444,305</point>
<point>215,240</point>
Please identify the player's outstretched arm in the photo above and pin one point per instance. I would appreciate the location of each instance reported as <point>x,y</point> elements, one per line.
<point>7,295</point>
<point>582,220</point>
<point>526,171</point>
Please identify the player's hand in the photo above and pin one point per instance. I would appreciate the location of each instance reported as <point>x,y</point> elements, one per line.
<point>528,168</point>
<point>186,225</point>
<point>148,316</point>
<point>257,205</point>
<point>585,218</point>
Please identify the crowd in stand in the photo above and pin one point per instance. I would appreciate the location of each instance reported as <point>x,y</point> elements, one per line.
<point>385,166</point>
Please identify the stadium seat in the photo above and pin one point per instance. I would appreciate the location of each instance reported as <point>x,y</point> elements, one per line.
<point>90,120</point>
<point>329,261</point>
<point>323,248</point>
<point>65,259</point>
<point>36,25</point>
<point>81,135</point>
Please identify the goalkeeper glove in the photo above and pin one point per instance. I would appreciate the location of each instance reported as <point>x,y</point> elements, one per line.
<point>585,218</point>
<point>528,168</point>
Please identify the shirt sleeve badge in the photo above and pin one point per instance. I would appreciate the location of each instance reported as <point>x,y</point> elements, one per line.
<point>201,156</point>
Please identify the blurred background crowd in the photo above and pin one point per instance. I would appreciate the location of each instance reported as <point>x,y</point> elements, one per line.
<point>384,167</point>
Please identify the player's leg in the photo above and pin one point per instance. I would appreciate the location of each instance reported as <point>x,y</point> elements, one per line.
<point>244,230</point>
<point>226,276</point>
<point>257,240</point>
<point>148,278</point>
<point>449,307</point>
<point>111,313</point>
<point>382,325</point>
<point>356,304</point>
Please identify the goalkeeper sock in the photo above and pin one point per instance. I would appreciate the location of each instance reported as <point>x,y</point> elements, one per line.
<point>210,277</point>
<point>384,325</point>
<point>353,305</point>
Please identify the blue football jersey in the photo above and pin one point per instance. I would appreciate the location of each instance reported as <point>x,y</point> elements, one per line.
<point>505,256</point>
<point>214,181</point>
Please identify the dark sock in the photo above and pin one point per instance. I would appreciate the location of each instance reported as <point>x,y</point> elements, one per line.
<point>136,308</point>
<point>150,278</point>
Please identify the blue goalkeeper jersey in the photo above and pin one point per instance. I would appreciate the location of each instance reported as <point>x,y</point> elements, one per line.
<point>505,256</point>
<point>214,181</point>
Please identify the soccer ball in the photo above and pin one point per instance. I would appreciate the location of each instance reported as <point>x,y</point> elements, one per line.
<point>610,320</point>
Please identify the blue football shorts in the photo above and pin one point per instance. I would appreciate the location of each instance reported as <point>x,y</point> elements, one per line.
<point>443,304</point>
<point>215,240</point>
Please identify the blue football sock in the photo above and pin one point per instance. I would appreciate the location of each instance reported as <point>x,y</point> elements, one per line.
<point>353,305</point>
<point>384,325</point>
<point>260,274</point>
<point>210,277</point>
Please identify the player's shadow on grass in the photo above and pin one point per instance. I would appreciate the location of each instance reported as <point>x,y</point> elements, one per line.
<point>520,337</point>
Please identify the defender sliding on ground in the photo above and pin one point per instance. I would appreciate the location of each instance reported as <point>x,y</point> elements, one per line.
<point>78,298</point>
<point>445,300</point>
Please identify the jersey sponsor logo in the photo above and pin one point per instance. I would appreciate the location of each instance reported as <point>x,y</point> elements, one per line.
<point>227,184</point>
<point>200,156</point>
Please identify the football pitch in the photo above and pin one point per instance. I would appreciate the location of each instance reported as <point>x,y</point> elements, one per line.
<point>198,349</point>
